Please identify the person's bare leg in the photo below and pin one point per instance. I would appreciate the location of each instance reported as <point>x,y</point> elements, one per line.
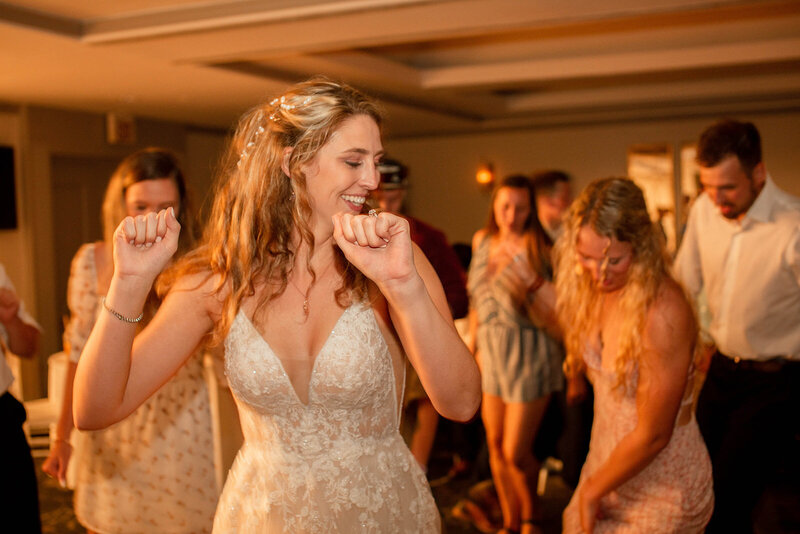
<point>493,412</point>
<point>522,421</point>
<point>424,432</point>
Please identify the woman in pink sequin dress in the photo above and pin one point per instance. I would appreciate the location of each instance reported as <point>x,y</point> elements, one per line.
<point>630,330</point>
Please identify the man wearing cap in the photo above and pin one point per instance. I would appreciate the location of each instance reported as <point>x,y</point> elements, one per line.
<point>390,196</point>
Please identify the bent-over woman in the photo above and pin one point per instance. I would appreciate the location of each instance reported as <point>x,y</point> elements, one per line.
<point>631,331</point>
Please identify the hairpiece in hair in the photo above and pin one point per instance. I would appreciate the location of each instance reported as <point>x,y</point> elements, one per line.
<point>248,146</point>
<point>281,102</point>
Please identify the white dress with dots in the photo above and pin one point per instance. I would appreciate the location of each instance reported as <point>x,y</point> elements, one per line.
<point>154,470</point>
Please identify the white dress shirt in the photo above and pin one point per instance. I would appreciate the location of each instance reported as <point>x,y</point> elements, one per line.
<point>750,270</point>
<point>6,377</point>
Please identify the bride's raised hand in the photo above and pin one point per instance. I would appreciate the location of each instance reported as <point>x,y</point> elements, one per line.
<point>378,245</point>
<point>143,245</point>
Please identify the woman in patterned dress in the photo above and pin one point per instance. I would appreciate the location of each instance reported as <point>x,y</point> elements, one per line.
<point>154,470</point>
<point>631,331</point>
<point>516,344</point>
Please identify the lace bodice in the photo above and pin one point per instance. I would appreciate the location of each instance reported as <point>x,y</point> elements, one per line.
<point>336,464</point>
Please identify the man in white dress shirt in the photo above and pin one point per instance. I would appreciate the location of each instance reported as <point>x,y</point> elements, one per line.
<point>742,246</point>
<point>19,499</point>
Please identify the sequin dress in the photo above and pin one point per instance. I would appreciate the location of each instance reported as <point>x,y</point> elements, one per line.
<point>673,493</point>
<point>154,470</point>
<point>337,464</point>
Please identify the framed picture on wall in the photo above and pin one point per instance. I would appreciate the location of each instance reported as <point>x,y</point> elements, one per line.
<point>651,167</point>
<point>8,191</point>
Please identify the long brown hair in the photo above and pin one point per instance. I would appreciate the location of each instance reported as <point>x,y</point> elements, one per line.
<point>247,242</point>
<point>539,244</point>
<point>152,163</point>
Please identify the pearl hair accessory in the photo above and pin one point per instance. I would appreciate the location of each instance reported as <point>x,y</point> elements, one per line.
<point>281,102</point>
<point>275,103</point>
<point>248,146</point>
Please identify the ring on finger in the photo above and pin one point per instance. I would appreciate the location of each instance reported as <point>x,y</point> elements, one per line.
<point>373,212</point>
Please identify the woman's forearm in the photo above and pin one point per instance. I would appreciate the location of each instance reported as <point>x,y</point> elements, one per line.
<point>104,367</point>
<point>444,364</point>
<point>542,308</point>
<point>65,422</point>
<point>23,339</point>
<point>631,455</point>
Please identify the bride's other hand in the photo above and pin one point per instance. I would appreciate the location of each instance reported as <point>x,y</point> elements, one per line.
<point>378,245</point>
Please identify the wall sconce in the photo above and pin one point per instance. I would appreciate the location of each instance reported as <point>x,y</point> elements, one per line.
<point>485,174</point>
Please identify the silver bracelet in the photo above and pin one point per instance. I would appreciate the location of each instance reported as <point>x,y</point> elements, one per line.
<point>118,315</point>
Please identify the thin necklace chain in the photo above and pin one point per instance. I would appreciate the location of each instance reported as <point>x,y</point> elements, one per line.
<point>306,306</point>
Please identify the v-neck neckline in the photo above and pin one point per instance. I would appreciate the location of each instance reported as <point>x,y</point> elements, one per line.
<point>313,365</point>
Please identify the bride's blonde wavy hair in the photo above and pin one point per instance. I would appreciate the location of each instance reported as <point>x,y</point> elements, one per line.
<point>614,208</point>
<point>247,240</point>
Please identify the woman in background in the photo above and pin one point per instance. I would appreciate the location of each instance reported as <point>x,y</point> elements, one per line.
<point>630,330</point>
<point>154,470</point>
<point>513,317</point>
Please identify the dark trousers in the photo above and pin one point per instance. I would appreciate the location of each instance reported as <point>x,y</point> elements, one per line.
<point>748,413</point>
<point>19,498</point>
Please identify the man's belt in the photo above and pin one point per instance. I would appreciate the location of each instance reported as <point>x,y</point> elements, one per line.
<point>772,365</point>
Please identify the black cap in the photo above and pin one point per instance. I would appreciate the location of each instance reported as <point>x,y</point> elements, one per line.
<point>393,175</point>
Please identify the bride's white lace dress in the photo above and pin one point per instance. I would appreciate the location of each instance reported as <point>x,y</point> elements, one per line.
<point>335,464</point>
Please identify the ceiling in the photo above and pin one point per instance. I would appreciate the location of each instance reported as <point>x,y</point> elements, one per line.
<point>438,66</point>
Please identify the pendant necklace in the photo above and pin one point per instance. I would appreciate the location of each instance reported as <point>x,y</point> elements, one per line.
<point>306,307</point>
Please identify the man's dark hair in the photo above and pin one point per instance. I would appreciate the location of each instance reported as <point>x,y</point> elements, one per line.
<point>730,138</point>
<point>546,181</point>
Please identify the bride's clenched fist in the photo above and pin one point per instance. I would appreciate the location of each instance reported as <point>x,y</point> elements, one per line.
<point>143,245</point>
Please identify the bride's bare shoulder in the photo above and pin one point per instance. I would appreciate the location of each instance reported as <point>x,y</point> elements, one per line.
<point>203,288</point>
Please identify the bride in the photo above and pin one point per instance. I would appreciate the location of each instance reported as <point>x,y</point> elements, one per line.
<point>316,303</point>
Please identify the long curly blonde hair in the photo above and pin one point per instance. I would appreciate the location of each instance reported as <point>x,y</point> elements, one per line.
<point>247,240</point>
<point>614,208</point>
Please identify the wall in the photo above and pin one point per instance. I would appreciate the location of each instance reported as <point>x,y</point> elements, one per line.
<point>442,169</point>
<point>14,250</point>
<point>12,241</point>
